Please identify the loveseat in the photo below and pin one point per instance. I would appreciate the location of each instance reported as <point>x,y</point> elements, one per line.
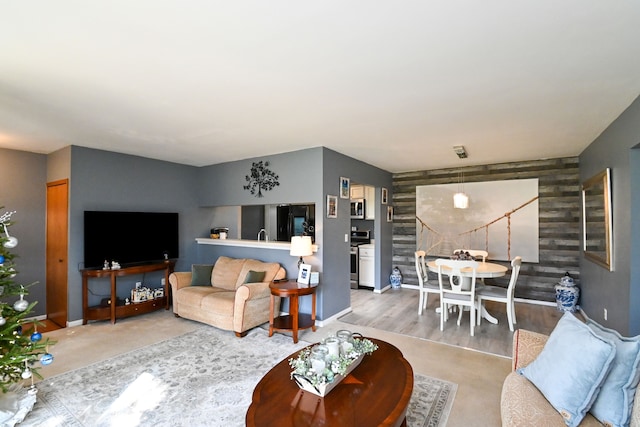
<point>523,404</point>
<point>233,294</point>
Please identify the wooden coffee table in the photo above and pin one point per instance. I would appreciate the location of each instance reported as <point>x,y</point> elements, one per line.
<point>376,393</point>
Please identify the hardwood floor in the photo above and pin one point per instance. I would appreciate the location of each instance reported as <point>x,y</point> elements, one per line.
<point>397,311</point>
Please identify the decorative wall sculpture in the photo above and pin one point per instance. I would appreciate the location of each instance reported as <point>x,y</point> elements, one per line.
<point>260,179</point>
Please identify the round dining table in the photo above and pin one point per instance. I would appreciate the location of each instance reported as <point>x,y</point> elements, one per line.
<point>485,270</point>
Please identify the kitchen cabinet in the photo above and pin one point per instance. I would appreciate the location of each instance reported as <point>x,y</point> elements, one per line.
<point>357,191</point>
<point>366,266</point>
<point>370,202</point>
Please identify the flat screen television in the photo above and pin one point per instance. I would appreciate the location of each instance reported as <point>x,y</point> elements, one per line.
<point>129,237</point>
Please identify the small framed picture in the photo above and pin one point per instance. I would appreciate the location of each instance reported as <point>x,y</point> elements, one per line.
<point>304,274</point>
<point>389,213</point>
<point>344,188</point>
<point>332,206</point>
<point>385,196</point>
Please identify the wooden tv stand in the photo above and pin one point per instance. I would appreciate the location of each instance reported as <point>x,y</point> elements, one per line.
<point>113,310</point>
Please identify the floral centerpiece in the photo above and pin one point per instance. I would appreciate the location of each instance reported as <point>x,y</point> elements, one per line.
<point>320,368</point>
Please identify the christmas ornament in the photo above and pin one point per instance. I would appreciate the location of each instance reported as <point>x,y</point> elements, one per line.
<point>21,304</point>
<point>26,373</point>
<point>36,336</point>
<point>2,320</point>
<point>46,359</point>
<point>11,242</point>
<point>1,259</point>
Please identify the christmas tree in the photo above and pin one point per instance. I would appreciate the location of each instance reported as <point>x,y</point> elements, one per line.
<point>20,346</point>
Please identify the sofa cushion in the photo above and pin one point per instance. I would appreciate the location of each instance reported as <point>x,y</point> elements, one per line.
<point>254,276</point>
<point>226,272</point>
<point>270,269</point>
<point>201,274</point>
<point>571,368</point>
<point>193,295</point>
<point>615,400</point>
<point>220,303</point>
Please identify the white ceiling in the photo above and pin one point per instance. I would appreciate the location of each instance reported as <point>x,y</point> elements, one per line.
<point>395,84</point>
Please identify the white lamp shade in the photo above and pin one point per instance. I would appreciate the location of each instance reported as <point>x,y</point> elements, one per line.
<point>460,201</point>
<point>301,246</point>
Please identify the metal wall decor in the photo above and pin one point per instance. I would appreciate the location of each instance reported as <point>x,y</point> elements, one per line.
<point>260,179</point>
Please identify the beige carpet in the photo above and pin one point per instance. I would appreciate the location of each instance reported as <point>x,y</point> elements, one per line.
<point>479,376</point>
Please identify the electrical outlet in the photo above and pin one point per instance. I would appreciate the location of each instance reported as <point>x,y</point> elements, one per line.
<point>605,314</point>
<point>346,238</point>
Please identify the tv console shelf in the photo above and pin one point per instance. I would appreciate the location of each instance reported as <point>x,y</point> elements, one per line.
<point>113,310</point>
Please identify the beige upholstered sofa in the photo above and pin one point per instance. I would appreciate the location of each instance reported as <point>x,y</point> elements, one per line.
<point>227,301</point>
<point>522,404</point>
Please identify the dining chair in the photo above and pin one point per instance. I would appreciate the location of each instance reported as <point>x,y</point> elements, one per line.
<point>500,294</point>
<point>458,294</point>
<point>426,287</point>
<point>474,253</point>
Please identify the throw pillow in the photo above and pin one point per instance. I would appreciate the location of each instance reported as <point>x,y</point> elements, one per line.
<point>571,367</point>
<point>254,276</point>
<point>613,405</point>
<point>201,274</point>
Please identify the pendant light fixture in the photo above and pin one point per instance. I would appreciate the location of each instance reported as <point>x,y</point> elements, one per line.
<point>460,199</point>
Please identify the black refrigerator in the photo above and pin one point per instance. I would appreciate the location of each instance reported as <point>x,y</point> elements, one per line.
<point>295,220</point>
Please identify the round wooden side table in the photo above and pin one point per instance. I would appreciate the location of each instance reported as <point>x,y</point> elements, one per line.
<point>294,321</point>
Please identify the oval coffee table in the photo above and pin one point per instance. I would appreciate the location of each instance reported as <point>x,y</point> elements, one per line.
<point>375,393</point>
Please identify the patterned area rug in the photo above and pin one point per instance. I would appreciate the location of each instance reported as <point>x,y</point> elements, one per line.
<point>203,378</point>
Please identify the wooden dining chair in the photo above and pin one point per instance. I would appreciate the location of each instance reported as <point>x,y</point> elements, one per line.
<point>426,287</point>
<point>457,294</point>
<point>474,253</point>
<point>500,294</point>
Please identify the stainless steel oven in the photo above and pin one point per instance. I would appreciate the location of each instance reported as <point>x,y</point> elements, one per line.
<point>353,278</point>
<point>358,237</point>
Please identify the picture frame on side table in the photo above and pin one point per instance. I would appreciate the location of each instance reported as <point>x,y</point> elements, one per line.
<point>389,213</point>
<point>304,274</point>
<point>332,206</point>
<point>385,196</point>
<point>344,188</point>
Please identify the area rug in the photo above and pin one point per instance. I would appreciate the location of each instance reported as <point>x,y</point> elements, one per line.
<point>203,378</point>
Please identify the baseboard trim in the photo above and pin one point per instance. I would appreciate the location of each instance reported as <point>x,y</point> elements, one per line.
<point>328,320</point>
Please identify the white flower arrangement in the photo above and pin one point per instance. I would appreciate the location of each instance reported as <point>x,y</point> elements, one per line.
<point>336,366</point>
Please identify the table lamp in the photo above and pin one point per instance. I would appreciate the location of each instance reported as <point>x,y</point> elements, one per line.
<point>301,246</point>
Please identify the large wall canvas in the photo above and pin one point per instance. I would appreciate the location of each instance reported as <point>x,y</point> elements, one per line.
<point>502,218</point>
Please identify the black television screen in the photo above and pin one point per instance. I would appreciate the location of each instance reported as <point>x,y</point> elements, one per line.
<point>129,237</point>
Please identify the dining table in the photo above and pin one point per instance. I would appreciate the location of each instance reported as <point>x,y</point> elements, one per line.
<point>485,270</point>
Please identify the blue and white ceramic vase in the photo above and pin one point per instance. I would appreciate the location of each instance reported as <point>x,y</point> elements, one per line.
<point>567,294</point>
<point>395,278</point>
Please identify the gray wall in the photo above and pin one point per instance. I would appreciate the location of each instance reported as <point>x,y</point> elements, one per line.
<point>102,180</point>
<point>559,219</point>
<point>23,189</point>
<point>305,176</point>
<point>617,290</point>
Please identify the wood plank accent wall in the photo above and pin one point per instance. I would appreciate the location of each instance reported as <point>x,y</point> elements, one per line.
<point>559,219</point>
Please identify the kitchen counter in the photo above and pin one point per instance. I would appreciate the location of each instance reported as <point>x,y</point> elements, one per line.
<point>284,246</point>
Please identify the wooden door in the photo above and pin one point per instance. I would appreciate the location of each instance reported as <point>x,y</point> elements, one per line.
<point>57,250</point>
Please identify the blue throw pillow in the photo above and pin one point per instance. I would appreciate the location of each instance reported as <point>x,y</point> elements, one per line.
<point>571,367</point>
<point>201,274</point>
<point>615,400</point>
